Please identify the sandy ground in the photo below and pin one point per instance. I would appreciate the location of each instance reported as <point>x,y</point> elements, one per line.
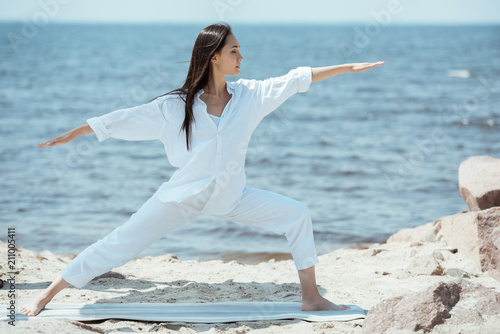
<point>364,277</point>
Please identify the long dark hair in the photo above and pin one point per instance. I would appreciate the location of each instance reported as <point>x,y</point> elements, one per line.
<point>210,41</point>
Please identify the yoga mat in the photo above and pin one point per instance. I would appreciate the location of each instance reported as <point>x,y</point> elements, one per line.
<point>189,312</point>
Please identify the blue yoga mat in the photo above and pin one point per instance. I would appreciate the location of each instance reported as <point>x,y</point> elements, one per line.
<point>189,312</point>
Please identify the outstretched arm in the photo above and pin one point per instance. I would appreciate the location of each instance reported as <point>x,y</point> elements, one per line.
<point>144,122</point>
<point>68,136</point>
<point>322,73</point>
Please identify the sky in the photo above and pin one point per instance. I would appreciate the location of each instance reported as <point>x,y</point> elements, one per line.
<point>254,11</point>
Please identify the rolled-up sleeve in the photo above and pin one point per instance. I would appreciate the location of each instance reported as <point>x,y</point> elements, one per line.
<point>272,92</point>
<point>144,122</point>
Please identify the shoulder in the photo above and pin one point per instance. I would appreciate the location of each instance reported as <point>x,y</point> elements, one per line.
<point>301,73</point>
<point>168,105</point>
<point>169,98</point>
<point>169,101</point>
<point>244,84</point>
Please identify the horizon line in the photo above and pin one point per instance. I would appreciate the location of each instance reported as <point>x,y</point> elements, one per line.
<point>98,22</point>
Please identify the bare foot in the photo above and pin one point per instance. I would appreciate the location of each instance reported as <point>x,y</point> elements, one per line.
<point>322,304</point>
<point>35,306</point>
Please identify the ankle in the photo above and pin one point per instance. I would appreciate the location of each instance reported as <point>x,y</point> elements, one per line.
<point>309,298</point>
<point>46,296</point>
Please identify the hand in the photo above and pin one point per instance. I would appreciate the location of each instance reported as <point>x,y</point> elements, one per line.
<point>60,140</point>
<point>360,67</point>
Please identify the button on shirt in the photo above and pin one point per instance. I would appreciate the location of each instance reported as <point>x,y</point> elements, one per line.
<point>217,151</point>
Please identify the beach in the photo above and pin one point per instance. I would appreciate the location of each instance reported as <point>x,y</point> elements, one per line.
<point>369,154</point>
<point>377,147</point>
<point>365,277</point>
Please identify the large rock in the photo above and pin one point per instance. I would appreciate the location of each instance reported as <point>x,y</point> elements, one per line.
<point>479,182</point>
<point>454,303</point>
<point>476,302</point>
<point>424,233</point>
<point>476,236</point>
<point>416,311</point>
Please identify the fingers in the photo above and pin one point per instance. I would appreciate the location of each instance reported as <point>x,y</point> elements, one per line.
<point>370,65</point>
<point>51,142</point>
<point>59,140</point>
<point>44,144</point>
<point>360,67</point>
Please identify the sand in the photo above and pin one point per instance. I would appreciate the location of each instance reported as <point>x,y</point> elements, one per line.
<point>364,277</point>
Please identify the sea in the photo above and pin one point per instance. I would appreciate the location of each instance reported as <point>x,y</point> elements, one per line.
<point>369,153</point>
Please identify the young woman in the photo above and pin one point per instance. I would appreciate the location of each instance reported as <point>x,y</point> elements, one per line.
<point>205,127</point>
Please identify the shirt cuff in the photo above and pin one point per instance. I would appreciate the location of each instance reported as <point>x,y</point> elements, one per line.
<point>305,78</point>
<point>99,128</point>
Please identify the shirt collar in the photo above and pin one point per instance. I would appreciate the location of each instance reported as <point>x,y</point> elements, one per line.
<point>230,89</point>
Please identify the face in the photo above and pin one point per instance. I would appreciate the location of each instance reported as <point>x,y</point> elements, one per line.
<point>229,59</point>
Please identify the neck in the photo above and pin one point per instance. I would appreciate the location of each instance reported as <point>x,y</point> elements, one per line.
<point>216,84</point>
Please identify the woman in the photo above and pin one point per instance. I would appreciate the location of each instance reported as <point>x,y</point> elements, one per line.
<point>205,127</point>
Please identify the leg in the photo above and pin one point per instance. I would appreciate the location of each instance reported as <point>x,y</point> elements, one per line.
<point>34,306</point>
<point>285,216</point>
<point>152,221</point>
<point>311,299</point>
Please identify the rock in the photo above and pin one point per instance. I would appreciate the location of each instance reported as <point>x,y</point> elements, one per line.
<point>479,182</point>
<point>420,233</point>
<point>376,251</point>
<point>486,300</point>
<point>476,302</point>
<point>438,255</point>
<point>457,272</point>
<point>171,258</point>
<point>454,303</point>
<point>425,265</point>
<point>415,311</point>
<point>373,252</point>
<point>476,235</point>
<point>40,257</point>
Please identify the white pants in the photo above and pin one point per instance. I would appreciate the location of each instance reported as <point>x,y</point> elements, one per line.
<point>261,208</point>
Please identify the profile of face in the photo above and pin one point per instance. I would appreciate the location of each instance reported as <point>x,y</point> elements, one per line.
<point>228,60</point>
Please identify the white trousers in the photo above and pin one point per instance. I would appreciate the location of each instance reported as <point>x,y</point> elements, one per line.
<point>154,219</point>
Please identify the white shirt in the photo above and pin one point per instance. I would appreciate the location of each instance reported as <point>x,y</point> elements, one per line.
<point>216,151</point>
<point>215,118</point>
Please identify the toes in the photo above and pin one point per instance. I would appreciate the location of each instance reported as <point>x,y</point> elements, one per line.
<point>26,311</point>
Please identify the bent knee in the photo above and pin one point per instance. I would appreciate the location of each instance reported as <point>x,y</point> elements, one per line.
<point>300,210</point>
<point>304,209</point>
